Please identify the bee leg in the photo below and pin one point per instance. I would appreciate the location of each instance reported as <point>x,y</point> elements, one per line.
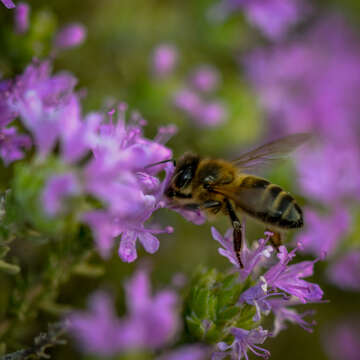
<point>276,240</point>
<point>237,233</point>
<point>211,204</point>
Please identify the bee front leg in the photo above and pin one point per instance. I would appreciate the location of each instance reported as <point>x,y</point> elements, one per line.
<point>211,204</point>
<point>237,233</point>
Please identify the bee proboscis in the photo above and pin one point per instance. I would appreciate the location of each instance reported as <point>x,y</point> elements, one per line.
<point>217,186</point>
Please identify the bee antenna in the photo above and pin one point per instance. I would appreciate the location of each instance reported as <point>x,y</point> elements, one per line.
<point>161,162</point>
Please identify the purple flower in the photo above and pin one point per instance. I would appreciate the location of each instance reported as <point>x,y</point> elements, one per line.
<point>98,330</point>
<point>272,17</point>
<point>42,101</point>
<point>345,272</point>
<point>282,312</point>
<point>188,101</point>
<point>204,113</point>
<point>292,82</point>
<point>330,181</point>
<point>249,258</point>
<point>258,296</point>
<point>70,36</point>
<point>117,175</point>
<point>342,340</point>
<point>6,113</point>
<point>164,59</point>
<point>151,322</point>
<point>105,229</point>
<point>56,188</point>
<point>8,3</point>
<point>22,18</point>
<point>12,144</point>
<point>244,340</point>
<point>323,234</point>
<point>288,278</point>
<point>282,279</point>
<point>212,113</point>
<point>205,78</point>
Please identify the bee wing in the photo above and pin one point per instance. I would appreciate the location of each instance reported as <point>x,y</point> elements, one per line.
<point>270,152</point>
<point>248,199</point>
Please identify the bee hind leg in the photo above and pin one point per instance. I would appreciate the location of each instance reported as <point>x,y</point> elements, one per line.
<point>275,239</point>
<point>237,233</point>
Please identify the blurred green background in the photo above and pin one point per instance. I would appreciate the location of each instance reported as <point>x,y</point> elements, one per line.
<point>114,65</point>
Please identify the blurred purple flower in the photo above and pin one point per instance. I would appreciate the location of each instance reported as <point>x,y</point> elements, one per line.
<point>342,340</point>
<point>56,188</point>
<point>6,113</point>
<point>22,13</point>
<point>272,17</point>
<point>12,144</point>
<point>116,174</point>
<point>288,278</point>
<point>282,313</point>
<point>244,340</point>
<point>331,172</point>
<point>204,113</point>
<point>164,59</point>
<point>187,352</point>
<point>188,101</point>
<point>323,234</point>
<point>212,113</point>
<point>249,258</point>
<point>70,36</point>
<point>151,322</point>
<point>8,3</point>
<point>205,78</point>
<point>292,81</point>
<point>98,330</point>
<point>105,229</point>
<point>42,102</point>
<point>345,272</point>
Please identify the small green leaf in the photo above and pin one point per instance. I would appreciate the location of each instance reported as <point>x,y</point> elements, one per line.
<point>9,268</point>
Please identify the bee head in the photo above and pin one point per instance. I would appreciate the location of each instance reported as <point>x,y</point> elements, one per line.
<point>184,173</point>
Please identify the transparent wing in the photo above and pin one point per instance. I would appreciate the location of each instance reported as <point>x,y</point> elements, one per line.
<point>270,152</point>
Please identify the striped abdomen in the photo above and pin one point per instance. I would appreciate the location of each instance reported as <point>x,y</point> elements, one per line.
<point>267,202</point>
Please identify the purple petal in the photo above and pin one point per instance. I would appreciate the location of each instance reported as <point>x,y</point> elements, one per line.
<point>22,13</point>
<point>127,248</point>
<point>12,144</point>
<point>8,3</point>
<point>345,272</point>
<point>205,78</point>
<point>70,35</point>
<point>149,241</point>
<point>56,188</point>
<point>138,291</point>
<point>97,330</point>
<point>164,59</point>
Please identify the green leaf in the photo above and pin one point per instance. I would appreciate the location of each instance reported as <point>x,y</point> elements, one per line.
<point>9,268</point>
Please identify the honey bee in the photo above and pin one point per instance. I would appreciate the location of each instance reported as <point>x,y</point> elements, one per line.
<point>217,186</point>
